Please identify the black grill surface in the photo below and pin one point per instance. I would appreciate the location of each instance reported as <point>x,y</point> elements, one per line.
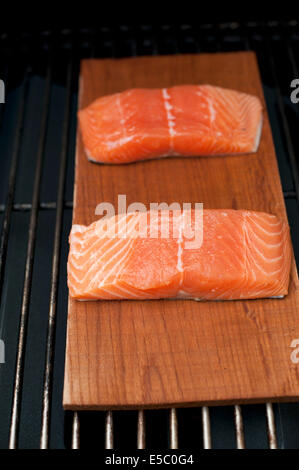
<point>37,145</point>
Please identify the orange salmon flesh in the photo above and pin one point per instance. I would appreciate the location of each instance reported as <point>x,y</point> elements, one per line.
<point>241,255</point>
<point>185,120</point>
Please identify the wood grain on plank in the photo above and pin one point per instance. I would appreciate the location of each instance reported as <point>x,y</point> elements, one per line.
<point>131,354</point>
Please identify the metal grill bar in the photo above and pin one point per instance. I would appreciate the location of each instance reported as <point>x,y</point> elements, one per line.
<point>206,425</point>
<point>55,272</point>
<point>239,428</point>
<point>173,426</point>
<point>271,426</point>
<point>109,430</point>
<point>13,439</point>
<point>76,431</point>
<point>141,430</point>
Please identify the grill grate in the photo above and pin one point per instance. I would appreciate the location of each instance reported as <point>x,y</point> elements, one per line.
<point>37,139</point>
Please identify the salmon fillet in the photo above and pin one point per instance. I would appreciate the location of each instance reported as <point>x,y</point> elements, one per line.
<point>186,120</point>
<point>241,255</point>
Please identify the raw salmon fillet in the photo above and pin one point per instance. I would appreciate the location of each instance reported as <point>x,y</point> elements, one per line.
<point>241,255</point>
<point>186,120</point>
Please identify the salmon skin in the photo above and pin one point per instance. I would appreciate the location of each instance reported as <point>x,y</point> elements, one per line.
<point>241,255</point>
<point>186,120</point>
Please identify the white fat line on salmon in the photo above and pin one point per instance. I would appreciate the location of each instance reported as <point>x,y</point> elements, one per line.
<point>125,248</point>
<point>267,244</point>
<point>129,292</point>
<point>265,258</point>
<point>99,259</point>
<point>100,232</point>
<point>211,110</point>
<point>111,144</point>
<point>258,266</point>
<point>112,293</point>
<point>267,232</point>
<point>119,264</point>
<point>170,118</point>
<point>124,139</point>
